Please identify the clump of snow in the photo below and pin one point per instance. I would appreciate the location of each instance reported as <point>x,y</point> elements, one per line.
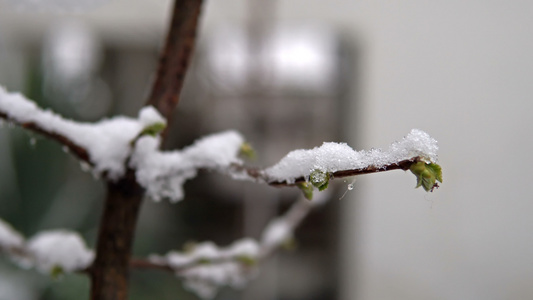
<point>276,233</point>
<point>207,267</point>
<point>208,251</point>
<point>333,157</point>
<point>163,173</point>
<point>107,142</point>
<point>111,142</point>
<point>149,115</point>
<point>205,280</point>
<point>63,249</point>
<point>9,237</point>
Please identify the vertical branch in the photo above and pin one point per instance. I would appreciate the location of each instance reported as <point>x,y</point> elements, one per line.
<point>175,57</point>
<point>109,272</point>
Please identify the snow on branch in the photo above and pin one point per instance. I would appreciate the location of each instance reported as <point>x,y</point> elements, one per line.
<point>105,144</point>
<point>163,173</point>
<point>341,159</point>
<point>205,267</point>
<point>113,145</point>
<point>51,252</point>
<point>314,168</point>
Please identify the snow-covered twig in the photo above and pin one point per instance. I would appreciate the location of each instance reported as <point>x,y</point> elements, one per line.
<point>106,145</point>
<point>260,176</point>
<point>51,252</point>
<point>206,267</point>
<point>114,145</point>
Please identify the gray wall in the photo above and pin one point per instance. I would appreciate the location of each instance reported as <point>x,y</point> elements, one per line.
<point>460,70</point>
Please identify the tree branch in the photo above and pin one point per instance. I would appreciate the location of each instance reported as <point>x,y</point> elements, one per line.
<point>109,273</point>
<point>260,175</point>
<point>175,57</point>
<point>75,149</point>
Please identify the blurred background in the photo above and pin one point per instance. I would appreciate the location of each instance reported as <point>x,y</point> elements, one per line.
<point>291,74</point>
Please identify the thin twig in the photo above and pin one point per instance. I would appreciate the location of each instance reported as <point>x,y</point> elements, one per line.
<point>261,176</point>
<point>73,148</point>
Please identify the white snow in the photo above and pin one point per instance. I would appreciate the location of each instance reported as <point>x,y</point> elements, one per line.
<point>208,251</point>
<point>149,115</point>
<point>9,237</point>
<point>46,250</point>
<point>59,248</point>
<point>207,267</point>
<point>276,233</point>
<point>163,173</point>
<point>109,144</point>
<point>205,280</point>
<point>332,157</point>
<point>107,141</point>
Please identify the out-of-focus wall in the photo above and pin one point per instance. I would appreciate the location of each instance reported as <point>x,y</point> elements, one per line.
<point>460,70</point>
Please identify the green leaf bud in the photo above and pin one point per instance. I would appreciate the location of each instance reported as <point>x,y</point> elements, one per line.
<point>307,189</point>
<point>426,175</point>
<point>319,179</point>
<point>246,150</point>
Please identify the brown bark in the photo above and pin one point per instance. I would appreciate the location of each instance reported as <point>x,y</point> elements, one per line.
<point>261,176</point>
<point>175,57</point>
<point>109,272</point>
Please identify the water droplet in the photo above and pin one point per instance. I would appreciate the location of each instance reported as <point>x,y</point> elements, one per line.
<point>65,149</point>
<point>33,142</point>
<point>350,186</point>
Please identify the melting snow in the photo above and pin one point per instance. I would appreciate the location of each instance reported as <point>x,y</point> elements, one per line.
<point>107,141</point>
<point>163,173</point>
<point>60,248</point>
<point>333,157</point>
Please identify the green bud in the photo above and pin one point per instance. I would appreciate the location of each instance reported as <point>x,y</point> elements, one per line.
<point>57,272</point>
<point>418,167</point>
<point>289,244</point>
<point>153,129</point>
<point>426,175</point>
<point>307,189</point>
<point>319,179</point>
<point>246,260</point>
<point>247,151</point>
<point>203,261</point>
